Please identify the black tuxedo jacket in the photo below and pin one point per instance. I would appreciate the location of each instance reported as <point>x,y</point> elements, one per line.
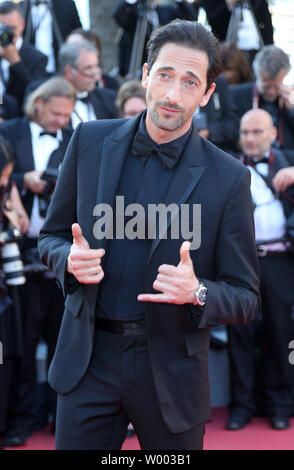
<point>126,14</point>
<point>66,16</point>
<point>31,67</point>
<point>226,261</point>
<point>218,16</point>
<point>17,132</point>
<point>222,116</point>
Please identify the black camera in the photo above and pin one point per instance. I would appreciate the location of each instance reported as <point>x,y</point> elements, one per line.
<point>50,176</point>
<point>6,35</point>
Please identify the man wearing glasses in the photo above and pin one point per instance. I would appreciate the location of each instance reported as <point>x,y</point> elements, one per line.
<point>269,92</point>
<point>79,65</point>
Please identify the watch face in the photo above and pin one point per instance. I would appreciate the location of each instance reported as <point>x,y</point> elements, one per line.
<point>202,296</point>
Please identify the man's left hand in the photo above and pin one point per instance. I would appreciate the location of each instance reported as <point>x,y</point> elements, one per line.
<point>177,284</point>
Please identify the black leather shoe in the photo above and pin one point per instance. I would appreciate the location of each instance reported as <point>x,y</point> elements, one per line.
<point>280,422</point>
<point>237,422</point>
<point>14,441</point>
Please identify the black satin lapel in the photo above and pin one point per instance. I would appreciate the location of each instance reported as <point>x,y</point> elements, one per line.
<point>114,153</point>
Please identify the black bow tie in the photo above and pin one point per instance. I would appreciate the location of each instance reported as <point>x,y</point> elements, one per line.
<point>262,160</point>
<point>52,134</point>
<point>85,99</point>
<point>168,153</point>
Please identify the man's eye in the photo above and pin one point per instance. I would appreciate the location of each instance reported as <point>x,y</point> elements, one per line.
<point>191,83</point>
<point>163,75</point>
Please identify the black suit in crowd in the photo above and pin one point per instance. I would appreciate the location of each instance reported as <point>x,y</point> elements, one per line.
<point>40,299</point>
<point>31,67</point>
<point>103,102</point>
<point>172,392</point>
<point>218,16</point>
<point>263,382</point>
<point>126,16</point>
<point>65,20</point>
<point>246,96</point>
<point>222,116</point>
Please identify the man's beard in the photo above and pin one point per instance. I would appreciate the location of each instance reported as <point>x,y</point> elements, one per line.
<point>166,123</point>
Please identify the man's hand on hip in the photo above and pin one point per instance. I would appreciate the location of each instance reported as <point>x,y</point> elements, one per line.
<point>177,284</point>
<point>84,262</point>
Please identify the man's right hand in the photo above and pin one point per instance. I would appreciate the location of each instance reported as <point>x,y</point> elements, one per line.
<point>32,181</point>
<point>83,262</point>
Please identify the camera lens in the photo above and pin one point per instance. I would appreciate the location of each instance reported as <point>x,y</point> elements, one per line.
<point>12,264</point>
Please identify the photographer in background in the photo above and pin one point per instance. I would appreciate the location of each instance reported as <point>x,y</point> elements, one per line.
<point>39,141</point>
<point>127,12</point>
<point>20,62</point>
<point>12,215</point>
<point>48,23</point>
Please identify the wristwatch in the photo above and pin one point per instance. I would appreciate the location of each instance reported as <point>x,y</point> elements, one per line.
<point>200,295</point>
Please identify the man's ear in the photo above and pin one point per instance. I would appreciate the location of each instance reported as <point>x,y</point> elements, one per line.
<point>274,134</point>
<point>207,95</point>
<point>145,76</point>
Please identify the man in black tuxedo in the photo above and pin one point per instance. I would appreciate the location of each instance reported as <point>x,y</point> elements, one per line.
<point>218,121</point>
<point>20,62</point>
<point>219,13</point>
<point>39,141</point>
<point>277,297</point>
<point>126,14</point>
<point>79,65</point>
<point>269,92</point>
<point>48,23</point>
<point>134,339</point>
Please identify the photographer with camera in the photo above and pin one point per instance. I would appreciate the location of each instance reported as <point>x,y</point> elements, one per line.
<point>14,222</point>
<point>20,62</point>
<point>39,142</point>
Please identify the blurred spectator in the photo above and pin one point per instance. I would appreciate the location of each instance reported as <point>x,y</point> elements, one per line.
<point>126,14</point>
<point>219,13</point>
<point>271,211</point>
<point>39,141</point>
<point>79,34</point>
<point>236,67</point>
<point>48,23</point>
<point>218,121</point>
<point>9,108</point>
<point>131,99</point>
<point>271,66</point>
<point>11,213</point>
<point>20,62</point>
<point>79,65</point>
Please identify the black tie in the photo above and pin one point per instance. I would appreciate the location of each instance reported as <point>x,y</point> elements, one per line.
<point>52,134</point>
<point>261,160</point>
<point>85,99</point>
<point>168,153</point>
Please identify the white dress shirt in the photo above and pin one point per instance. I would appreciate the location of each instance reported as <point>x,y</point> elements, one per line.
<point>42,149</point>
<point>83,112</point>
<point>269,217</point>
<point>43,26</point>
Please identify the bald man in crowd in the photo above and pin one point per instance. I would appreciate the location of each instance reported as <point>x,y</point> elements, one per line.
<point>271,210</point>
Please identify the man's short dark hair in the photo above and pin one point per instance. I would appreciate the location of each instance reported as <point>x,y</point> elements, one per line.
<point>191,34</point>
<point>9,7</point>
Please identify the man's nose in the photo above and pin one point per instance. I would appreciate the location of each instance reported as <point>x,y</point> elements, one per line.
<point>173,94</point>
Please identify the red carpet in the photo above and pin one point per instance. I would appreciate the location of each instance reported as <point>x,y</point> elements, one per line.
<point>256,436</point>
